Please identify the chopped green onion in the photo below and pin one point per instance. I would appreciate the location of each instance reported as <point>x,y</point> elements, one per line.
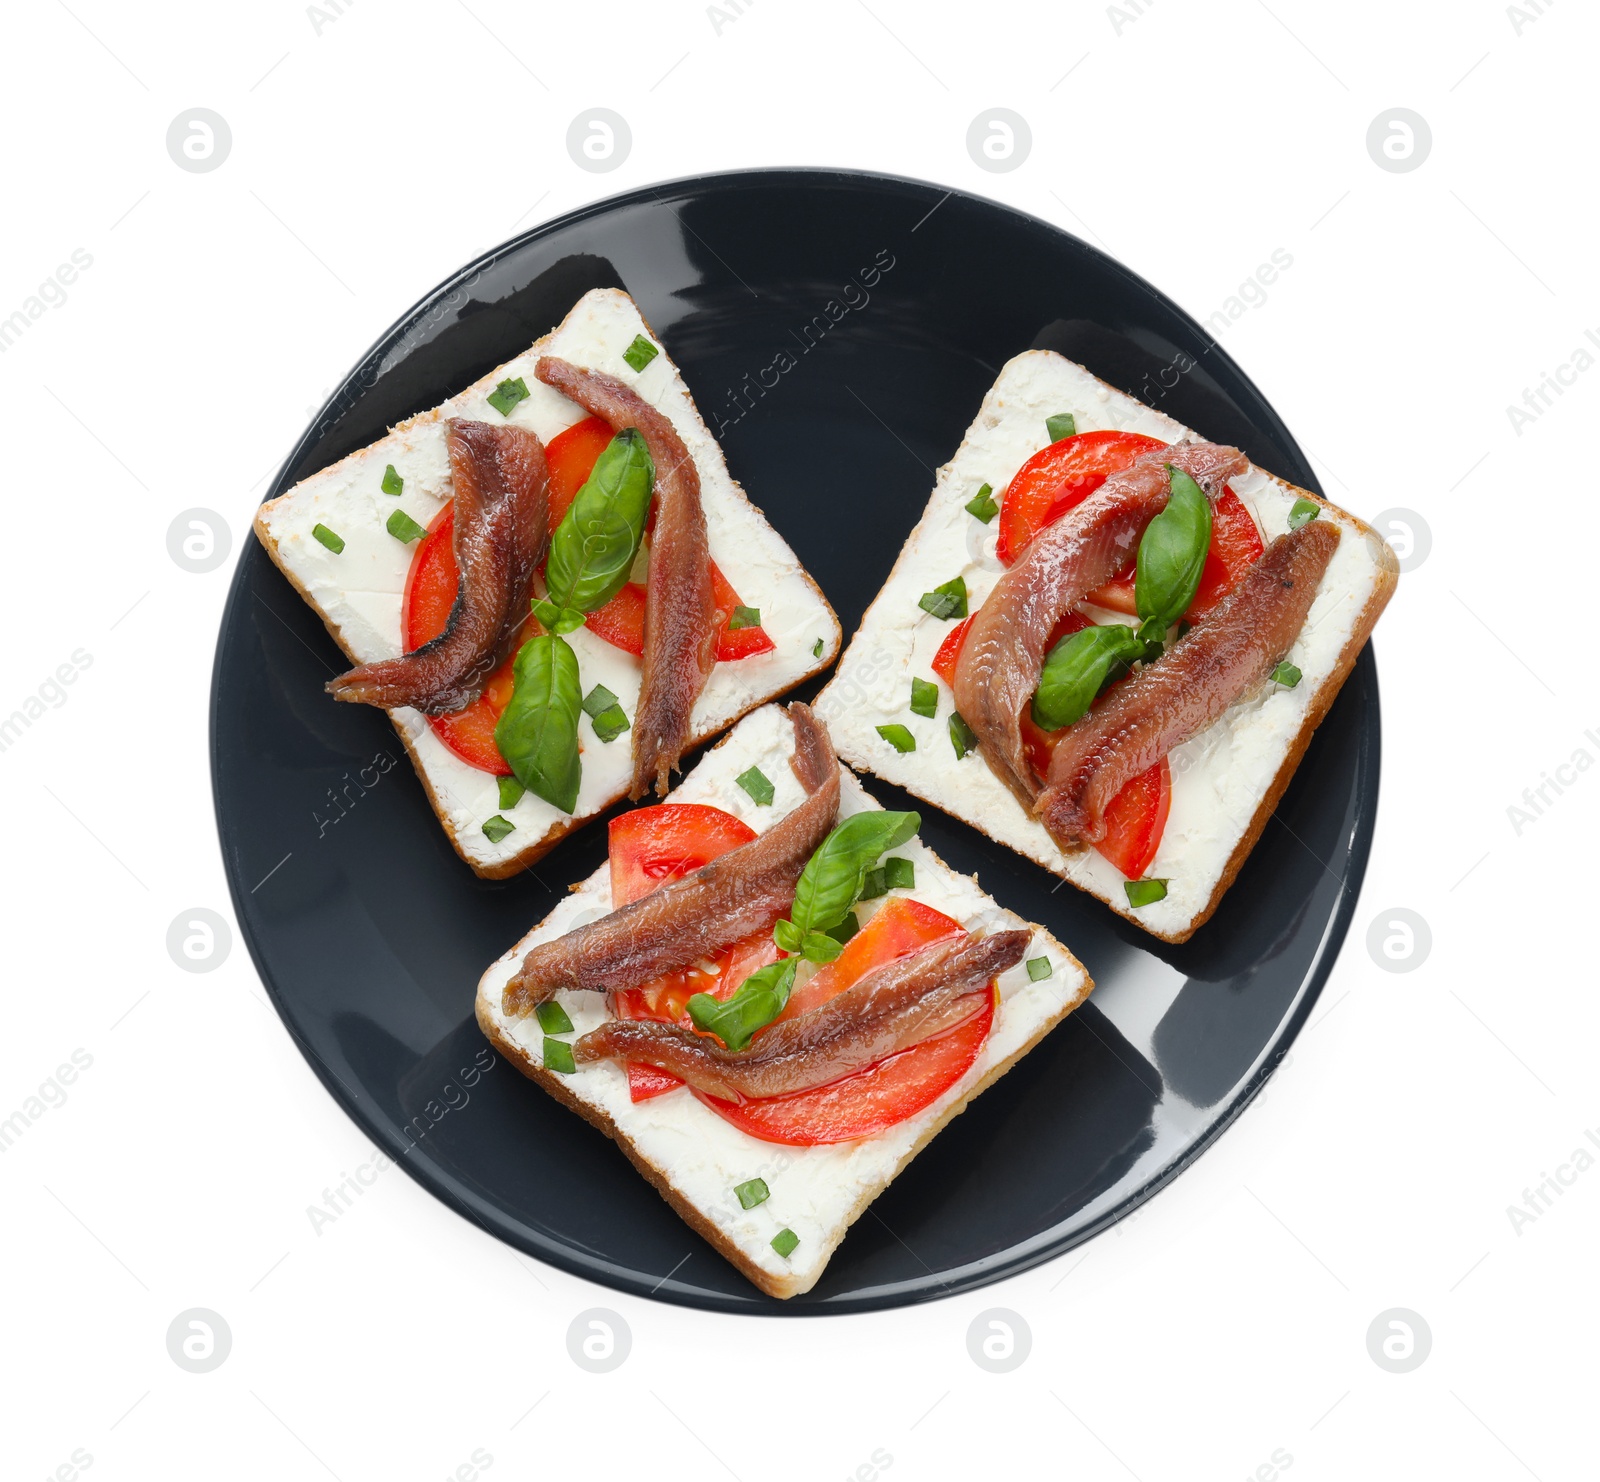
<point>898,737</point>
<point>1303,512</point>
<point>1039,967</point>
<point>496,828</point>
<point>873,885</point>
<point>1145,892</point>
<point>1286,674</point>
<point>1063,424</point>
<point>610,723</point>
<point>598,701</point>
<point>982,506</point>
<point>744,617</point>
<point>757,784</point>
<point>392,482</point>
<point>403,527</point>
<point>948,601</point>
<point>753,1192</point>
<point>845,929</point>
<point>816,649</point>
<point>924,697</point>
<point>962,736</point>
<point>785,1241</point>
<point>899,873</point>
<point>553,1018</point>
<point>327,537</point>
<point>640,353</point>
<point>511,792</point>
<point>558,1056</point>
<point>507,394</point>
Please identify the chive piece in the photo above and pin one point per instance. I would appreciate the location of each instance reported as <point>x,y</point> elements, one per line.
<point>845,929</point>
<point>1303,512</point>
<point>898,737</point>
<point>496,828</point>
<point>640,353</point>
<point>948,601</point>
<point>753,1192</point>
<point>924,697</point>
<point>392,482</point>
<point>558,1056</point>
<point>511,792</point>
<point>1039,967</point>
<point>1063,424</point>
<point>598,701</point>
<point>982,506</point>
<point>962,737</point>
<point>507,394</point>
<point>816,649</point>
<point>327,537</point>
<point>744,617</point>
<point>757,784</point>
<point>403,527</point>
<point>1145,892</point>
<point>785,1241</point>
<point>553,1018</point>
<point>610,723</point>
<point>873,885</point>
<point>1286,674</point>
<point>899,873</point>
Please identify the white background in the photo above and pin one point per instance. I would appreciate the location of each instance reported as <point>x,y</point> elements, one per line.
<point>374,152</point>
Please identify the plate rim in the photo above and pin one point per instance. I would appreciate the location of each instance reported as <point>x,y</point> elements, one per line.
<point>1017,1259</point>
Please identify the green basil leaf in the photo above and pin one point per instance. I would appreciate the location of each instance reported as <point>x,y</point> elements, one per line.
<point>330,538</point>
<point>507,394</point>
<point>392,482</point>
<point>1076,669</point>
<point>1172,556</point>
<point>898,737</point>
<point>496,828</point>
<point>597,539</point>
<point>899,873</point>
<point>403,527</point>
<point>1063,424</point>
<point>831,881</point>
<point>845,929</point>
<point>756,782</point>
<point>744,617</point>
<point>788,936</point>
<point>873,884</point>
<point>758,1001</point>
<point>511,792</point>
<point>1145,892</point>
<point>1303,512</point>
<point>610,723</point>
<point>553,1019</point>
<point>820,947</point>
<point>557,620</point>
<point>982,505</point>
<point>640,353</point>
<point>1286,674</point>
<point>924,697</point>
<point>537,733</point>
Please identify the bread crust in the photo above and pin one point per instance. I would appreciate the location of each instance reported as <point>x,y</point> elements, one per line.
<point>535,851</point>
<point>660,1179</point>
<point>1388,574</point>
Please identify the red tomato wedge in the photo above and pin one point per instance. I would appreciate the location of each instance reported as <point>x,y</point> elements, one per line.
<point>1137,815</point>
<point>649,847</point>
<point>1235,547</point>
<point>1057,478</point>
<point>899,1085</point>
<point>430,594</point>
<point>620,622</point>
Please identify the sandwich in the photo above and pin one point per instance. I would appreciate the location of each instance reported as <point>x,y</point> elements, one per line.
<point>773,995</point>
<point>551,584</point>
<point>1114,664</point>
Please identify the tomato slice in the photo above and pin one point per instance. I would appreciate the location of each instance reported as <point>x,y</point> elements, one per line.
<point>649,847</point>
<point>620,622</point>
<point>1059,477</point>
<point>896,1087</point>
<point>1235,547</point>
<point>424,609</point>
<point>944,662</point>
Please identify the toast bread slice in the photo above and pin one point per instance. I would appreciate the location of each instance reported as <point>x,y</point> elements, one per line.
<point>694,1158</point>
<point>358,592</point>
<point>1226,781</point>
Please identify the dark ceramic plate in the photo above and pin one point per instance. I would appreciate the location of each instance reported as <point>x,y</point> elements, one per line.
<point>370,934</point>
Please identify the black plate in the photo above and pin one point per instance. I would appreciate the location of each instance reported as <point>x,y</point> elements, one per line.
<point>370,934</point>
